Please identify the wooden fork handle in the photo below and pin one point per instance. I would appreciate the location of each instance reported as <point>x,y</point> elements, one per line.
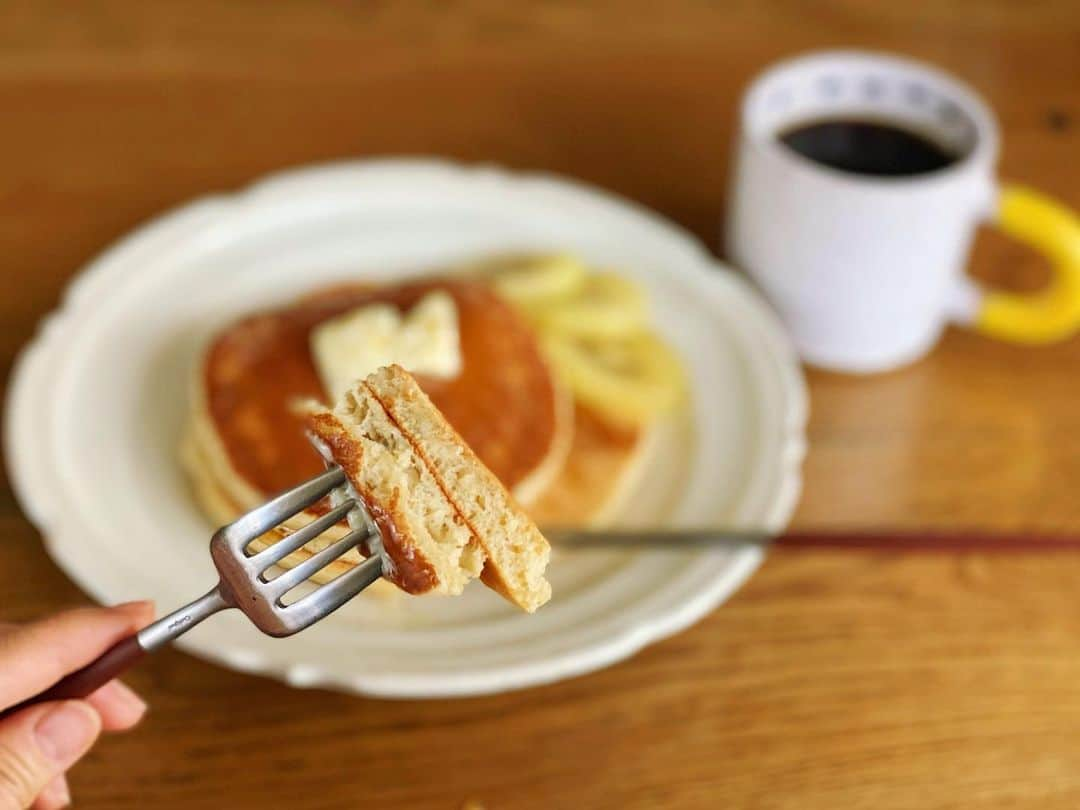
<point>83,682</point>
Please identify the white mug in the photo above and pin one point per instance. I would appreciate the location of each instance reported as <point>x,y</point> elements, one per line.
<point>867,270</point>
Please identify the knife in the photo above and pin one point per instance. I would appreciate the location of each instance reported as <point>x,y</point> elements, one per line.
<point>919,540</point>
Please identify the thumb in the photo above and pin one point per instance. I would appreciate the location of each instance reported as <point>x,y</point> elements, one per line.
<point>40,743</point>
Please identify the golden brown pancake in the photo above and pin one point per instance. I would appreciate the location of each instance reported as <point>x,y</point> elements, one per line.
<point>602,465</point>
<point>246,440</point>
<point>219,504</point>
<point>505,403</point>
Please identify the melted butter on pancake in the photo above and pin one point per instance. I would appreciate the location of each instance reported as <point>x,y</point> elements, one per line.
<point>423,340</point>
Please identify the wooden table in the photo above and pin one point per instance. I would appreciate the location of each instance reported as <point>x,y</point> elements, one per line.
<point>831,680</point>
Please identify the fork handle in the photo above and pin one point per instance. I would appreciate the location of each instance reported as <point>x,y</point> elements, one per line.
<point>81,683</point>
<point>125,653</point>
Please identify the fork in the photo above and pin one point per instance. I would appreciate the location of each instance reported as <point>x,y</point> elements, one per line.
<point>243,581</point>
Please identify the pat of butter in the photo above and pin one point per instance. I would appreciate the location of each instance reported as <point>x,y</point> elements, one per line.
<point>424,340</point>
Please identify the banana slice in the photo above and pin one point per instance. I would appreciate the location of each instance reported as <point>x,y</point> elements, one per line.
<point>529,281</point>
<point>605,306</point>
<point>595,330</point>
<point>629,380</point>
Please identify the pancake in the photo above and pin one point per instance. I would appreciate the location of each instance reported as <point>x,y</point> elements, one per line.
<point>506,404</point>
<point>604,464</point>
<point>245,441</point>
<point>445,519</point>
<point>218,505</point>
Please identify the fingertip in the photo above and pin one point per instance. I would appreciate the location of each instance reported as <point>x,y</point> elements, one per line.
<point>140,611</point>
<point>119,705</point>
<point>56,795</point>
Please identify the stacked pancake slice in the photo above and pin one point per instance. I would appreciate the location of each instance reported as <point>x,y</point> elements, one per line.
<point>258,399</point>
<point>444,518</point>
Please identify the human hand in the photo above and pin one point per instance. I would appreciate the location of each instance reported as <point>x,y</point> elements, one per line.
<point>39,743</point>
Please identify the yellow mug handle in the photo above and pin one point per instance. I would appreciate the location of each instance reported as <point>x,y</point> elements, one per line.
<point>1054,312</point>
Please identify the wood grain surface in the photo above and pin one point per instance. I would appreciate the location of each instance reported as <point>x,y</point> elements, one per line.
<point>832,680</point>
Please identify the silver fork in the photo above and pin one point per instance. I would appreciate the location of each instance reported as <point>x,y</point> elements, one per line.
<point>243,581</point>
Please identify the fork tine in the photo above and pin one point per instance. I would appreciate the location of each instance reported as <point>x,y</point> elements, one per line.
<point>327,598</point>
<point>284,506</point>
<point>287,545</point>
<point>288,580</point>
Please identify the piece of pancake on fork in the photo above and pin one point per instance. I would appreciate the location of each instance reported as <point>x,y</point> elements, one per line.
<point>444,517</point>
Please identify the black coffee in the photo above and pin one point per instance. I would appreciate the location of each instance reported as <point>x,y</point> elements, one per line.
<point>867,147</point>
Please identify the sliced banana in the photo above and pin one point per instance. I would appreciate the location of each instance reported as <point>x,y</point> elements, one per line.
<point>596,333</point>
<point>531,281</point>
<point>605,306</point>
<point>630,380</point>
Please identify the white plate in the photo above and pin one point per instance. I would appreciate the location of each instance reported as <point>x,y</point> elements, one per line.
<point>99,398</point>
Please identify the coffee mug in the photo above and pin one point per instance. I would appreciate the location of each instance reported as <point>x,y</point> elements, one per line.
<point>859,182</point>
